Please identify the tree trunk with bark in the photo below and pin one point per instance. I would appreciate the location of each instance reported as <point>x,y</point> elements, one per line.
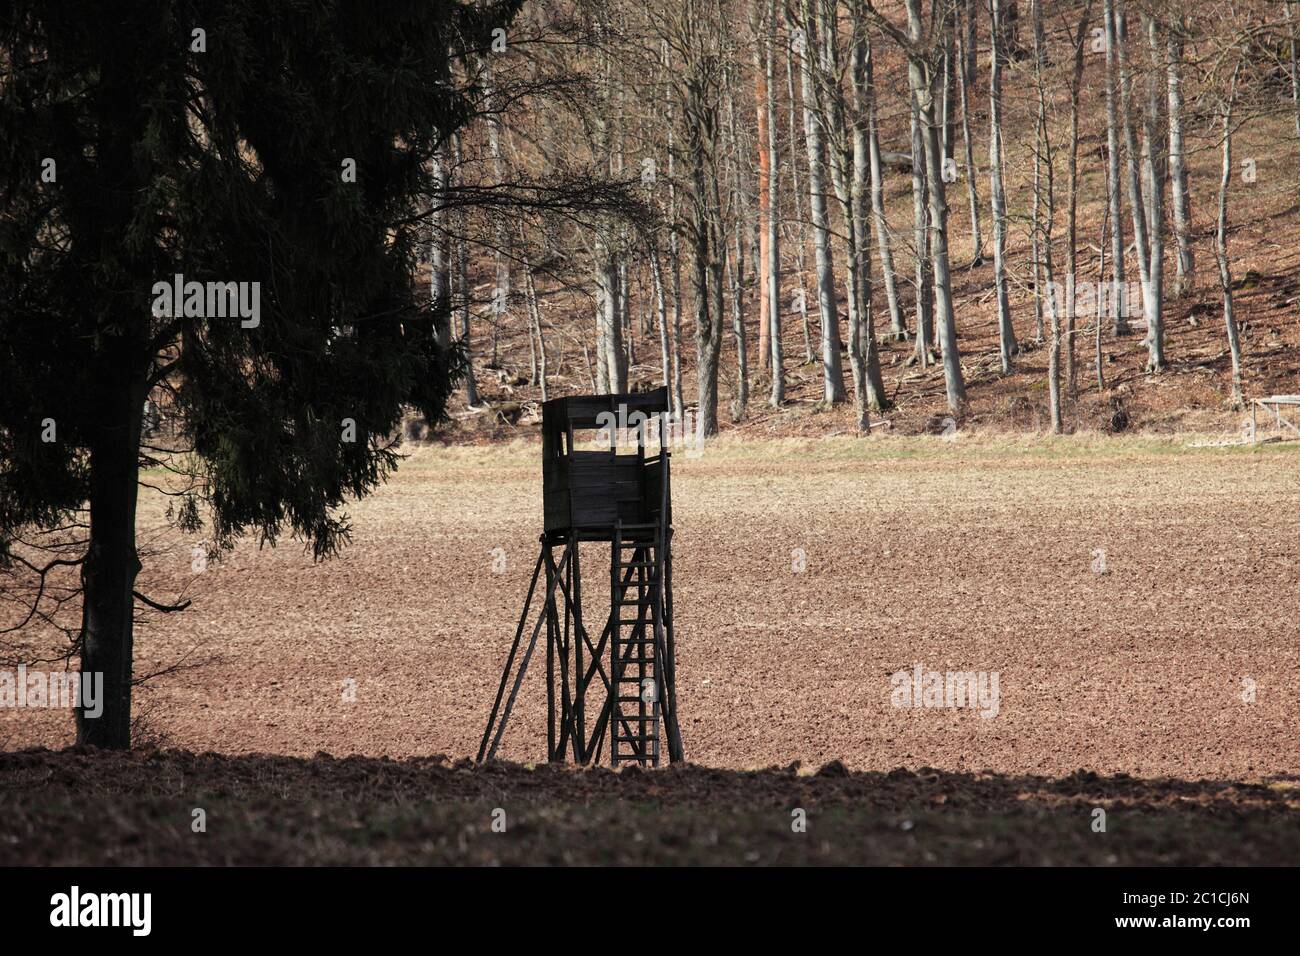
<point>1114,199</point>
<point>1007,346</point>
<point>921,240</point>
<point>1072,211</point>
<point>773,250</point>
<point>1179,194</point>
<point>1044,157</point>
<point>1221,244</point>
<point>832,369</point>
<point>112,562</point>
<point>897,323</point>
<point>921,78</point>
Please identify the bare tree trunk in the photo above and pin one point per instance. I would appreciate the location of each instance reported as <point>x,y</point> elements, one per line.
<point>897,324</point>
<point>462,275</point>
<point>1179,194</point>
<point>701,46</point>
<point>972,188</point>
<point>591,376</point>
<point>1221,245</point>
<point>1044,157</point>
<point>921,80</point>
<point>1113,190</point>
<point>762,51</point>
<point>874,387</point>
<point>831,111</point>
<point>661,313</point>
<point>535,312</point>
<point>678,391</point>
<point>1101,299</point>
<point>1155,202</point>
<point>626,354</point>
<point>609,298</point>
<point>708,312</point>
<point>532,342</point>
<point>1035,242</point>
<point>948,99</point>
<point>501,290</point>
<point>1295,68</point>
<point>602,341</point>
<point>736,264</point>
<point>971,44</point>
<point>801,246</point>
<point>1040,270</point>
<point>832,370</point>
<point>440,255</point>
<point>1150,302</point>
<point>1007,346</point>
<point>773,250</point>
<point>1072,213</point>
<point>921,239</point>
<point>736,281</point>
<point>674,255</point>
<point>936,89</point>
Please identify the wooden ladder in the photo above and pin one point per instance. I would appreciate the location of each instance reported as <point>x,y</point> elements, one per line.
<point>635,572</point>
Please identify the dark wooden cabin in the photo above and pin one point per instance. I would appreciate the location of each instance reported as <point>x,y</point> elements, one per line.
<point>589,492</point>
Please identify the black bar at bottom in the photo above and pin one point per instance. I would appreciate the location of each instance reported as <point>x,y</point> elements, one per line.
<point>336,905</point>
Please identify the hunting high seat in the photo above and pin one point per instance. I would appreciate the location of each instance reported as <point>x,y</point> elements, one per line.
<point>596,494</point>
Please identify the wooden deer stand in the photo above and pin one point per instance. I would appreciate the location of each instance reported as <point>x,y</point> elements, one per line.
<point>621,685</point>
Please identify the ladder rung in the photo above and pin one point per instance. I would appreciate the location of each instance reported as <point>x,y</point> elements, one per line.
<point>637,739</point>
<point>636,660</point>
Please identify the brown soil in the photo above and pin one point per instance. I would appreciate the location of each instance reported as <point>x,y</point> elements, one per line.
<point>77,807</point>
<point>966,555</point>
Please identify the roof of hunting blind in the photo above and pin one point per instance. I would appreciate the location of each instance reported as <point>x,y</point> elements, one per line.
<point>584,411</point>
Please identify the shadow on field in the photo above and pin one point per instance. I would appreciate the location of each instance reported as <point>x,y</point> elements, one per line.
<point>81,806</point>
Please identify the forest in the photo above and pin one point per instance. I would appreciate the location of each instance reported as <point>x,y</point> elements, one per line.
<point>1022,213</point>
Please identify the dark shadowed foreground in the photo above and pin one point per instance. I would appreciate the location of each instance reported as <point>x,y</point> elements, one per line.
<point>86,807</point>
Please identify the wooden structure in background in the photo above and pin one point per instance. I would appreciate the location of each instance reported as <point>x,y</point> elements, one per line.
<point>1274,405</point>
<point>621,684</point>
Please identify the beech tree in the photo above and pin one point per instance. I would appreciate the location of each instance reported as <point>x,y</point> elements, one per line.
<point>807,45</point>
<point>922,43</point>
<point>1007,346</point>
